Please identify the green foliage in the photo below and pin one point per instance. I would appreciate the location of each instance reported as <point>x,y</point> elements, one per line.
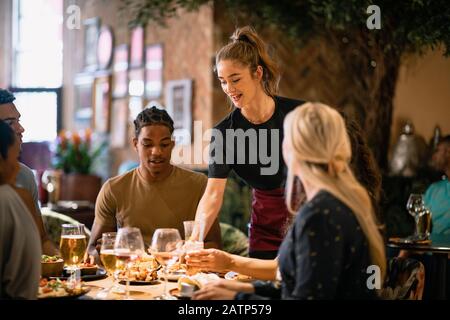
<point>406,25</point>
<point>75,154</point>
<point>144,11</point>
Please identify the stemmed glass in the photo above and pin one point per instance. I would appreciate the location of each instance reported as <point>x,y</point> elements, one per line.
<point>415,207</point>
<point>108,258</point>
<point>128,247</point>
<point>166,247</point>
<point>73,248</point>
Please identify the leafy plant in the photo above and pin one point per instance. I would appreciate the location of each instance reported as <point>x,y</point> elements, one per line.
<point>74,152</point>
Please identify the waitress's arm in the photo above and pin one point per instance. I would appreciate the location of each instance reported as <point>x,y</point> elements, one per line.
<point>210,204</point>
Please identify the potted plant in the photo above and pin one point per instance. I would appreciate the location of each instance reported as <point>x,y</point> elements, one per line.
<point>73,159</point>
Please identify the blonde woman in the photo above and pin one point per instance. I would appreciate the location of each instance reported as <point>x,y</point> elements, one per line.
<point>335,237</point>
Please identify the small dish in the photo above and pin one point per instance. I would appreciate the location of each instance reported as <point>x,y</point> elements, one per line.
<point>238,277</point>
<point>176,293</point>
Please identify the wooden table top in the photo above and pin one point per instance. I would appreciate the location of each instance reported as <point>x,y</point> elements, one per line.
<point>137,292</point>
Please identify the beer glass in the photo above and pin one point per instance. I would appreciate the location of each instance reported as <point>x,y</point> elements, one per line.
<point>424,224</point>
<point>73,248</point>
<point>128,247</point>
<point>166,247</point>
<point>72,245</point>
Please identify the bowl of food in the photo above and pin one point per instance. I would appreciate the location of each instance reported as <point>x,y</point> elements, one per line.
<point>51,266</point>
<point>88,269</point>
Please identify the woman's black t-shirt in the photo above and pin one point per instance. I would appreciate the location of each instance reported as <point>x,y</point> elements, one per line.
<point>253,151</point>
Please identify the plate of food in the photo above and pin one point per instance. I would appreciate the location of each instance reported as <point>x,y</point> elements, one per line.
<point>59,289</point>
<point>174,272</point>
<point>197,281</point>
<point>140,273</point>
<point>172,275</point>
<point>238,277</point>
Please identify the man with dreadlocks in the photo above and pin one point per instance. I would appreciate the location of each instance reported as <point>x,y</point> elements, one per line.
<point>154,195</point>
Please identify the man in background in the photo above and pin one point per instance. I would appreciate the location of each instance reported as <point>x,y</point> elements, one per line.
<point>437,196</point>
<point>25,178</point>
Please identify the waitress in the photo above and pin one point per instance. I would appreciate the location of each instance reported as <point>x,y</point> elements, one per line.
<point>248,140</point>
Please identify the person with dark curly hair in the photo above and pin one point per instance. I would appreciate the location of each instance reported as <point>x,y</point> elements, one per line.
<point>20,250</point>
<point>154,195</point>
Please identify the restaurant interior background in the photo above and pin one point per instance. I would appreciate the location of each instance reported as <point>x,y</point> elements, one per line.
<point>99,72</point>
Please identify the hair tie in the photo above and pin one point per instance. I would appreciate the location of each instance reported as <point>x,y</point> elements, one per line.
<point>335,167</point>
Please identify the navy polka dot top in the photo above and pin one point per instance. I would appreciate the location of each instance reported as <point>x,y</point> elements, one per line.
<point>325,254</point>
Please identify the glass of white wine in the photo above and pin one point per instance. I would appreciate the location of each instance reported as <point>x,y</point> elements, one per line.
<point>167,248</point>
<point>128,247</point>
<point>108,258</point>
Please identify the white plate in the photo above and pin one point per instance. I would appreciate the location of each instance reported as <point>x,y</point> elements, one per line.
<point>235,276</point>
<point>171,276</point>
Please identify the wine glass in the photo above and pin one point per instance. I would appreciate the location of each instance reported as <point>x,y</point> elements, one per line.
<point>128,247</point>
<point>108,258</point>
<point>415,206</point>
<point>166,247</point>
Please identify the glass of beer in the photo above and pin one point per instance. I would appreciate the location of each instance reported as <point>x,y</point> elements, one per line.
<point>167,248</point>
<point>72,245</point>
<point>73,248</point>
<point>128,247</point>
<point>415,207</point>
<point>424,224</point>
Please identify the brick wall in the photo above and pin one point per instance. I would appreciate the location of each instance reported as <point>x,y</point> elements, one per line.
<point>188,51</point>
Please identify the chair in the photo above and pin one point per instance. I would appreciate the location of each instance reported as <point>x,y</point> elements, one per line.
<point>53,222</point>
<point>405,280</point>
<point>234,241</point>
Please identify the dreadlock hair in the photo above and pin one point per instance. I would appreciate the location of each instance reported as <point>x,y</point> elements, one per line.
<point>150,117</point>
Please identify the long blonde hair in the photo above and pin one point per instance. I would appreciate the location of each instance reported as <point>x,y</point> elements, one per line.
<point>321,149</point>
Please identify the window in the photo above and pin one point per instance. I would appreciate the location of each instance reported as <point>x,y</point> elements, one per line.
<point>38,116</point>
<point>37,66</point>
<point>37,37</point>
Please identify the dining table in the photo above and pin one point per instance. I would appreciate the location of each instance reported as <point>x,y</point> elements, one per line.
<point>141,291</point>
<point>438,247</point>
